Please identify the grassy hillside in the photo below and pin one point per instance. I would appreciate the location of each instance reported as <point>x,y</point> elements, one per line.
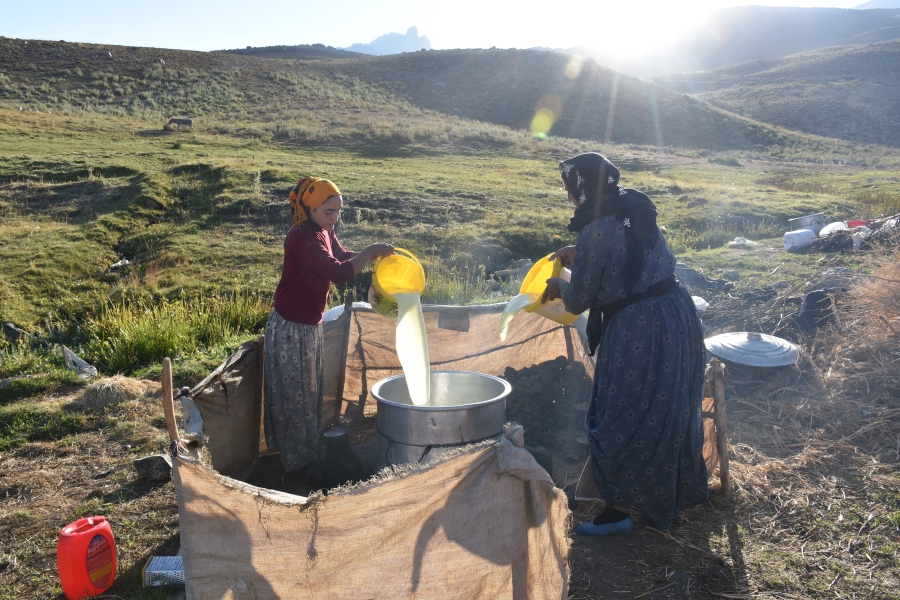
<point>469,98</point>
<point>745,33</point>
<point>302,101</point>
<point>587,101</point>
<point>298,52</point>
<point>846,92</point>
<point>88,174</point>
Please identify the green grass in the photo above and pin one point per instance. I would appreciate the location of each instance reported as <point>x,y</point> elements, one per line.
<point>31,370</point>
<point>208,220</point>
<point>125,337</point>
<point>25,423</point>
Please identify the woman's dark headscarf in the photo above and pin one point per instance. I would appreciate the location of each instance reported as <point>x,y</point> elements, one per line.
<point>594,182</point>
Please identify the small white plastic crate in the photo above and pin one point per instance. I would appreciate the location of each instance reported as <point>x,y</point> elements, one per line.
<point>164,570</point>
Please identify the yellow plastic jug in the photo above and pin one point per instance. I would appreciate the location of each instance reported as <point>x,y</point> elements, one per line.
<point>535,283</point>
<point>395,274</point>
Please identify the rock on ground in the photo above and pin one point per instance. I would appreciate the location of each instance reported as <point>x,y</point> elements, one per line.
<point>157,467</point>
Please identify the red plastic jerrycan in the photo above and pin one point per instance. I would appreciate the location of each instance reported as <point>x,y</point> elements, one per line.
<point>86,558</point>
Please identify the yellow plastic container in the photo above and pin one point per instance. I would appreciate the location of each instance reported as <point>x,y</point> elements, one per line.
<point>535,283</point>
<point>395,274</point>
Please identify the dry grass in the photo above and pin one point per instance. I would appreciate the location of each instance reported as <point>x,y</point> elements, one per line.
<point>815,459</point>
<point>115,390</point>
<point>46,485</point>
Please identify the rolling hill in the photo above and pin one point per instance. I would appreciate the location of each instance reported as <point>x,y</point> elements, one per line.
<point>508,87</point>
<point>298,52</point>
<point>846,92</point>
<point>398,96</point>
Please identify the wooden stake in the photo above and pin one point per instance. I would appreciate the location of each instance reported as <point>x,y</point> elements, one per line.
<point>339,395</point>
<point>259,396</point>
<point>721,424</point>
<point>168,401</point>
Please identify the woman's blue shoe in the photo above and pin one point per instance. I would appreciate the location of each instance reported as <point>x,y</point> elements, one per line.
<point>623,526</point>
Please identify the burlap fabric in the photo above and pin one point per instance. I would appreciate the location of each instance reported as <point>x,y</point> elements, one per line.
<point>487,523</point>
<point>460,338</point>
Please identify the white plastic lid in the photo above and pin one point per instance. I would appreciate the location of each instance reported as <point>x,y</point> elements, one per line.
<point>753,349</point>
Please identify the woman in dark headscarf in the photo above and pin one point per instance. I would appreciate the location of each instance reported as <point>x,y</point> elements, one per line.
<point>643,423</point>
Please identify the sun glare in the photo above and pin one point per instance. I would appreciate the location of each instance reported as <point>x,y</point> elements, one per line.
<point>636,28</point>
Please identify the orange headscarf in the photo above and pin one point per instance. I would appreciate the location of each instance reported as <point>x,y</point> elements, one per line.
<point>310,192</point>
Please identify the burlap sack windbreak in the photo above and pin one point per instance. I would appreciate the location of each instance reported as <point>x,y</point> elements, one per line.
<point>470,526</point>
<point>485,524</point>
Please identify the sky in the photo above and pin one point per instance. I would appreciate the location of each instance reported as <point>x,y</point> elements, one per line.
<point>225,24</point>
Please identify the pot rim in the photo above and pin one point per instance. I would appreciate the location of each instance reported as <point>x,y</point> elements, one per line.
<point>507,389</point>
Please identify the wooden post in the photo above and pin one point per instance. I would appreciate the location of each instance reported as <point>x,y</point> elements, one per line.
<point>259,397</point>
<point>721,424</point>
<point>168,401</point>
<point>570,344</point>
<point>339,395</point>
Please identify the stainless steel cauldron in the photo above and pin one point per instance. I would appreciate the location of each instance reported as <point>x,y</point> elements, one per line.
<point>464,407</point>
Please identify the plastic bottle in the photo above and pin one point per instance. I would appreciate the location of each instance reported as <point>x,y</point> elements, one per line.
<point>800,238</point>
<point>86,558</point>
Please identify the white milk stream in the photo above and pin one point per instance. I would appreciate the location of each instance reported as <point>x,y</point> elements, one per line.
<point>513,307</point>
<point>412,347</point>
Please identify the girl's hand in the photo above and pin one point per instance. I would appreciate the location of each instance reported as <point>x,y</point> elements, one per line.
<point>566,255</point>
<point>553,289</point>
<point>379,251</point>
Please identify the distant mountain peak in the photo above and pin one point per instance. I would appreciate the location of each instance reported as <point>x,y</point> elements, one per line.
<point>394,43</point>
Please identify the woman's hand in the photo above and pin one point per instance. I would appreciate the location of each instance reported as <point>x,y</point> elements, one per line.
<point>378,251</point>
<point>369,254</point>
<point>553,289</point>
<point>566,255</point>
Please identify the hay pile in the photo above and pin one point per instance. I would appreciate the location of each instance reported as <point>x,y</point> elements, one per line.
<point>845,389</point>
<point>858,359</point>
<point>115,390</point>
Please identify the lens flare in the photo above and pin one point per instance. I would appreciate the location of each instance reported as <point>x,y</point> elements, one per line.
<point>573,67</point>
<point>542,122</point>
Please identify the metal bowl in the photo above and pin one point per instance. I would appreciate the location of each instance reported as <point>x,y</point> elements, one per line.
<point>464,407</point>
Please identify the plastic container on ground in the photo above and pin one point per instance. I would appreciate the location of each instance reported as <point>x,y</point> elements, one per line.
<point>800,238</point>
<point>832,227</point>
<point>395,274</point>
<point>86,558</point>
<point>740,242</point>
<point>812,222</point>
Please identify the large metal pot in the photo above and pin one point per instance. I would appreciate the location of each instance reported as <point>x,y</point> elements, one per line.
<point>464,408</point>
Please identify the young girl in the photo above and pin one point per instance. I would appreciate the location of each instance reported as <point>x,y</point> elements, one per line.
<point>313,259</point>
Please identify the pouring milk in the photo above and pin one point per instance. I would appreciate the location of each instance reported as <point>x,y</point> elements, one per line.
<point>398,282</point>
<point>412,347</point>
<point>529,298</point>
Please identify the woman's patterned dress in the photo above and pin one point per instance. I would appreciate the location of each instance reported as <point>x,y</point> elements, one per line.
<point>643,422</point>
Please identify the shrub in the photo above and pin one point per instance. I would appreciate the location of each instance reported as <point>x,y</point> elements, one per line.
<point>728,161</point>
<point>125,337</point>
